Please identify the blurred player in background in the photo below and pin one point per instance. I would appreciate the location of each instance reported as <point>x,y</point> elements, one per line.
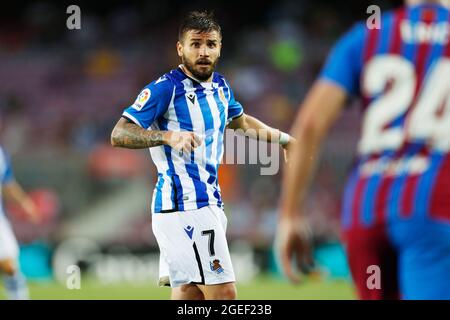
<point>181,117</point>
<point>15,282</point>
<point>396,203</point>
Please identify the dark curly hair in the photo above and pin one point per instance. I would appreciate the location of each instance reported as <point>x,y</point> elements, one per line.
<point>201,21</point>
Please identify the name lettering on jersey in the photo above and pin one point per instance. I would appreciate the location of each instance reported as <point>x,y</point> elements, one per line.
<point>421,32</point>
<point>395,167</point>
<point>142,99</point>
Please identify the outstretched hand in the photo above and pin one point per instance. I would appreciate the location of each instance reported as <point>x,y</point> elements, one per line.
<point>293,243</point>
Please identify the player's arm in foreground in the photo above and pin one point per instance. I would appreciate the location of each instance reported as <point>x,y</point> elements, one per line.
<point>127,134</point>
<point>133,130</point>
<point>319,111</point>
<point>256,129</point>
<point>14,192</point>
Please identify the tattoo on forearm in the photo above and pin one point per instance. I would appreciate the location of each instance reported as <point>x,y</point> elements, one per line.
<point>131,136</point>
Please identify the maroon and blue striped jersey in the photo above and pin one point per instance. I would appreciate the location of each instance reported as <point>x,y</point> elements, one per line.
<point>401,71</point>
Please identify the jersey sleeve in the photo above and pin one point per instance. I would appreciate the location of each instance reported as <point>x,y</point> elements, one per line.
<point>151,103</point>
<point>344,63</point>
<point>7,176</point>
<point>235,109</point>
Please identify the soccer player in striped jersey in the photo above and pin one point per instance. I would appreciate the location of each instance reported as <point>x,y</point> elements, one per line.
<point>14,281</point>
<point>396,203</point>
<point>181,117</point>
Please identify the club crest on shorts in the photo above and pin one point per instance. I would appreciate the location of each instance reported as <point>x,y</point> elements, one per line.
<point>215,266</point>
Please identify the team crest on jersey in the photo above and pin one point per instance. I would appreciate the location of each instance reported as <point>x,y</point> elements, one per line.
<point>221,94</point>
<point>142,99</point>
<point>215,266</point>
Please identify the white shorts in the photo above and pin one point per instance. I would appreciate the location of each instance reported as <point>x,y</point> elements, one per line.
<point>9,249</point>
<point>193,247</point>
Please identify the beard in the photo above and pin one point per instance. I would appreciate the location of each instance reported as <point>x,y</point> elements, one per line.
<point>202,69</point>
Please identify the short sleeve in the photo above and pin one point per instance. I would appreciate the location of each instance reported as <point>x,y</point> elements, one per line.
<point>7,174</point>
<point>151,103</point>
<point>344,62</point>
<point>235,109</point>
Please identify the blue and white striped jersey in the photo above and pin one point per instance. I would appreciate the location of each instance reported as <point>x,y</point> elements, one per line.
<point>176,102</point>
<point>6,174</point>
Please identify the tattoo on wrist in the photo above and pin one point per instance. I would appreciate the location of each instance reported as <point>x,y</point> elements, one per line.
<point>156,136</point>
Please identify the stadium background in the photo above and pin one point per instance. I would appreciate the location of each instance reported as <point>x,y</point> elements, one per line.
<point>63,90</point>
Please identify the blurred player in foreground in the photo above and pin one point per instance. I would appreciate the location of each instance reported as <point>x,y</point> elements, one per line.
<point>181,117</point>
<point>15,282</point>
<point>396,203</point>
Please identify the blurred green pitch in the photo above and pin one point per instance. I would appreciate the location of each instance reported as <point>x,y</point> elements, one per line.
<point>262,288</point>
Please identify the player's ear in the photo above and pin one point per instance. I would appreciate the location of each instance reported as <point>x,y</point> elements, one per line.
<point>179,49</point>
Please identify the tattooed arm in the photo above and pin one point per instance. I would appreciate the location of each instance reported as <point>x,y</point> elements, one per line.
<point>127,134</point>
